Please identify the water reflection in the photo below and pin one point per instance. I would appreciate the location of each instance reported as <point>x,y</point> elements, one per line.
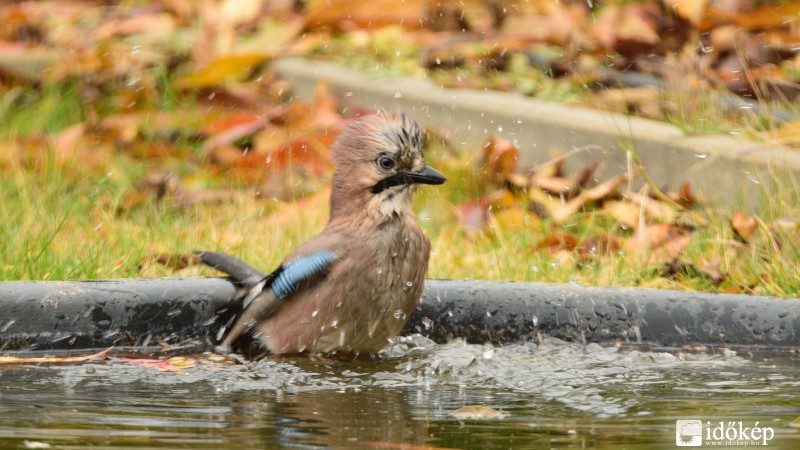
<point>553,394</point>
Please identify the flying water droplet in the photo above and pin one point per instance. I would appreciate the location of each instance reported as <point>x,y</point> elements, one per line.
<point>314,313</point>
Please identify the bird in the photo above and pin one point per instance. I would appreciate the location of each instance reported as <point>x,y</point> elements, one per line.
<point>352,287</point>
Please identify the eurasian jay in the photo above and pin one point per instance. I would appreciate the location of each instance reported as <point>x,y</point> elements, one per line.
<point>352,287</point>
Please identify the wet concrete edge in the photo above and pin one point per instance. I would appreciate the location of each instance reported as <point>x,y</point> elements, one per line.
<point>723,168</point>
<point>138,314</point>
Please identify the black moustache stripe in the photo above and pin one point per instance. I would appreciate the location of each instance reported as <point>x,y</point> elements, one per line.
<point>394,180</point>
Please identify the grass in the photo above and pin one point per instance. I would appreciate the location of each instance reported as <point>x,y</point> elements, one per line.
<point>61,219</point>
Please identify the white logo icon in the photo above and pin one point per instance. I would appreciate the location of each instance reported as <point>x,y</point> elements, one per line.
<point>688,433</point>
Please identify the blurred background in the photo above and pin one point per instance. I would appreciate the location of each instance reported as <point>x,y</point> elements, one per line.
<point>132,132</point>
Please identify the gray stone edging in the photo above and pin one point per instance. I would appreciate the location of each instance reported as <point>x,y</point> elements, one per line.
<point>137,314</point>
<point>722,168</point>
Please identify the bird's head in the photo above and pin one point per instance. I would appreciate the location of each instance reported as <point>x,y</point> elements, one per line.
<point>380,162</point>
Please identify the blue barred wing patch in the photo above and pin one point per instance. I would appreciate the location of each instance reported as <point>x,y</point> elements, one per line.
<point>299,270</point>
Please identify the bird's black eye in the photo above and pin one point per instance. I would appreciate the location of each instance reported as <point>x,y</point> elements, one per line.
<point>385,163</point>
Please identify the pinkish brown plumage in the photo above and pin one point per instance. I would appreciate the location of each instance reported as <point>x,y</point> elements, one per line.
<point>353,286</point>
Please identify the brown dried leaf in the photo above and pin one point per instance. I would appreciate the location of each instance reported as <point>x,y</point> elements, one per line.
<point>552,168</point>
<point>566,187</point>
<point>744,226</point>
<point>602,191</point>
<point>557,240</point>
<point>499,159</point>
<point>712,269</point>
<point>659,243</point>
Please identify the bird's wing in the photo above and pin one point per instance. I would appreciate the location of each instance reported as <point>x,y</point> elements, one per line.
<point>264,297</point>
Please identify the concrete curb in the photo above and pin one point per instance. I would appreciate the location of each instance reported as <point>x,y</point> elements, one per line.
<point>723,168</point>
<point>137,314</point>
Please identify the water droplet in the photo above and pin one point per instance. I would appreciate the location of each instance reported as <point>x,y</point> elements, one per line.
<point>535,320</point>
<point>314,313</point>
<point>701,155</point>
<point>427,323</point>
<point>398,94</point>
<point>409,283</point>
<point>334,323</point>
<point>488,352</point>
<point>348,94</point>
<point>174,312</point>
<point>399,314</point>
<point>7,325</point>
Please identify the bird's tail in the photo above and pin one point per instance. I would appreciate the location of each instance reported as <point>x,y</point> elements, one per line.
<point>238,270</point>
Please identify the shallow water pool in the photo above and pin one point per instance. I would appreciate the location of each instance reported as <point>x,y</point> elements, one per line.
<point>550,395</point>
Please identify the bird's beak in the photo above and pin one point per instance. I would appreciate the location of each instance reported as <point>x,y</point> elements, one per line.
<point>429,175</point>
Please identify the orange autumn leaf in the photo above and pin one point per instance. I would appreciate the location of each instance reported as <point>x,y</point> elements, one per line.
<point>54,359</point>
<point>744,226</point>
<point>557,240</point>
<point>499,159</point>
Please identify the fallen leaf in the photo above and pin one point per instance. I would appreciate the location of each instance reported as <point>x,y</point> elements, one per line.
<point>499,159</point>
<point>624,212</point>
<point>474,214</point>
<point>476,412</point>
<point>712,270</point>
<point>222,69</point>
<point>744,226</point>
<point>658,243</point>
<point>654,210</point>
<point>349,14</point>
<point>691,10</point>
<point>556,241</point>
<point>602,191</point>
<point>54,359</point>
<point>565,187</point>
<point>173,364</point>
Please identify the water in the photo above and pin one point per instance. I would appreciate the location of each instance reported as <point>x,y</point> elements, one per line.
<point>555,395</point>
